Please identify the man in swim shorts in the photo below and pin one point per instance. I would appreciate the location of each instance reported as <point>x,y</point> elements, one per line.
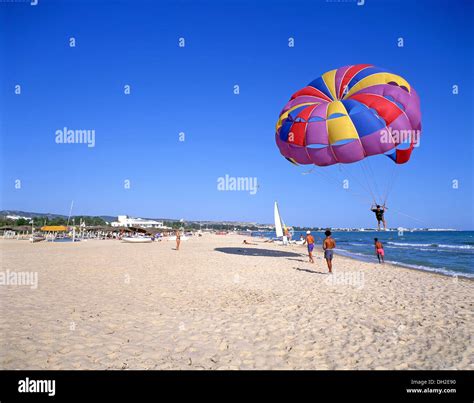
<point>379,250</point>
<point>328,245</point>
<point>310,241</point>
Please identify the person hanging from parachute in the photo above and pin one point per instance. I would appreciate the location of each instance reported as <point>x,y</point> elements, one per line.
<point>379,215</point>
<point>348,115</point>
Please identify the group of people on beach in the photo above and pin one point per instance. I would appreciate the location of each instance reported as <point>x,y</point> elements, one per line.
<point>329,244</point>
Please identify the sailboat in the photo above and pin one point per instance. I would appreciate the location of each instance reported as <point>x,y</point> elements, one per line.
<point>279,225</point>
<point>138,239</point>
<point>36,238</point>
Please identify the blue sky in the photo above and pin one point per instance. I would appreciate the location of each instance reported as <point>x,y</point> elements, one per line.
<point>190,90</point>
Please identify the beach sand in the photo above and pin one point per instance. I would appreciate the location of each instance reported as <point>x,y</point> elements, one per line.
<point>218,304</point>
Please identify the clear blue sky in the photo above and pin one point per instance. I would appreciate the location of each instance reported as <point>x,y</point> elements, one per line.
<point>190,90</point>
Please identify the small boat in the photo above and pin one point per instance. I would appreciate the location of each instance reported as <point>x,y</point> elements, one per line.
<point>37,238</point>
<point>64,239</point>
<point>298,242</point>
<point>138,239</point>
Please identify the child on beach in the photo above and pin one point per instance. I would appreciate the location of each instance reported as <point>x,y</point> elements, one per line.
<point>310,241</point>
<point>328,245</point>
<point>379,250</point>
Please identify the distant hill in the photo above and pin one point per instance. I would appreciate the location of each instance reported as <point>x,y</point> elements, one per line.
<point>50,216</point>
<point>29,214</point>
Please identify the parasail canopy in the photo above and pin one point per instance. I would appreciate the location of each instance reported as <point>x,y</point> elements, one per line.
<point>349,114</point>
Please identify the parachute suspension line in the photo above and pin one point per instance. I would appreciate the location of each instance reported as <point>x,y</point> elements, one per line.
<point>366,180</point>
<point>325,175</point>
<point>346,171</point>
<point>331,178</point>
<point>391,182</point>
<point>374,178</point>
<point>366,176</point>
<point>409,216</point>
<point>388,181</point>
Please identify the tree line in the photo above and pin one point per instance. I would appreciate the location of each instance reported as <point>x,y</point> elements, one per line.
<point>40,221</point>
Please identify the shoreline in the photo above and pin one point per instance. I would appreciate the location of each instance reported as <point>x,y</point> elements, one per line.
<point>407,267</point>
<point>370,259</point>
<point>391,264</point>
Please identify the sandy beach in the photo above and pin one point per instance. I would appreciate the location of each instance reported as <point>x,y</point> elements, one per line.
<point>219,304</point>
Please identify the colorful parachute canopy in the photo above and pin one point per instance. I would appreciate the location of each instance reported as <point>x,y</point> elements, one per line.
<point>349,114</point>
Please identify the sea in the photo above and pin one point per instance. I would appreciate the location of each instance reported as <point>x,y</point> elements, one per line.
<point>446,252</point>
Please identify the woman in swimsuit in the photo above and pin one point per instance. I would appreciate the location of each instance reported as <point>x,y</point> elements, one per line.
<point>178,239</point>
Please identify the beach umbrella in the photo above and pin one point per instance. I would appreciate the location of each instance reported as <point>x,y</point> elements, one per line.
<point>22,228</point>
<point>54,228</point>
<point>154,231</point>
<point>140,230</point>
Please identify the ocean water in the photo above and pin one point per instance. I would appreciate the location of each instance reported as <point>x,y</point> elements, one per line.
<point>446,252</point>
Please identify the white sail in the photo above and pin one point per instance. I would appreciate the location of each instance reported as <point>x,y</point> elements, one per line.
<point>278,226</point>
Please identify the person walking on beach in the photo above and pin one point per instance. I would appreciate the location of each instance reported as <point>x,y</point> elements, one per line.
<point>379,250</point>
<point>178,239</point>
<point>309,240</point>
<point>328,245</point>
<point>379,215</point>
<point>285,236</point>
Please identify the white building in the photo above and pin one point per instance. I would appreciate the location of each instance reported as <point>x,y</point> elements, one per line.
<point>125,221</point>
<point>17,217</point>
